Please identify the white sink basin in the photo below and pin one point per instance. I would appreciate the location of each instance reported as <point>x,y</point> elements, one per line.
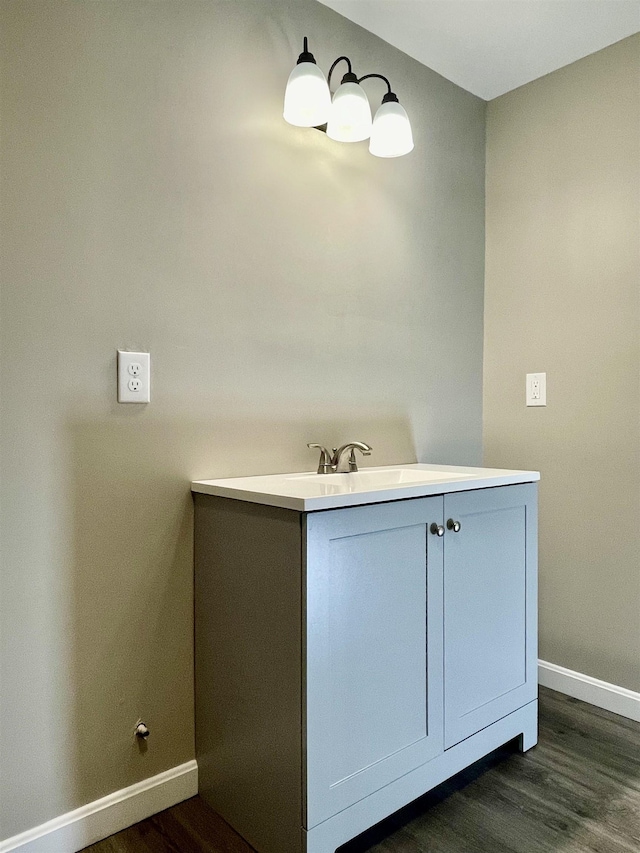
<point>309,492</point>
<point>371,479</point>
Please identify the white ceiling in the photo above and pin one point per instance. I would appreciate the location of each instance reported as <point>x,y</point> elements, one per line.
<point>492,46</point>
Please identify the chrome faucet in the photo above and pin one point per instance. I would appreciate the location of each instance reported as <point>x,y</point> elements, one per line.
<point>335,463</point>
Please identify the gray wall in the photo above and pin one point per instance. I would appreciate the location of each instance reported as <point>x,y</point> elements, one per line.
<point>289,289</point>
<point>563,296</point>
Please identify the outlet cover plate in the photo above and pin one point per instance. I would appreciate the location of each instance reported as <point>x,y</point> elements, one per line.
<point>134,377</point>
<point>536,389</point>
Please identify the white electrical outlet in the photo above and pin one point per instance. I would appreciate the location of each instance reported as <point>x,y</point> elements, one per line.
<point>134,377</point>
<point>536,389</point>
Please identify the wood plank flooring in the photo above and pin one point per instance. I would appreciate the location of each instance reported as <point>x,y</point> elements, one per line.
<point>578,791</point>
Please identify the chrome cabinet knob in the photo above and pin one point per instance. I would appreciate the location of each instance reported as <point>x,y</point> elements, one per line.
<point>437,529</point>
<point>453,525</point>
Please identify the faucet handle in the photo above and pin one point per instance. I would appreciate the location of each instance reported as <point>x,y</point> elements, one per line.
<point>325,465</point>
<point>353,465</point>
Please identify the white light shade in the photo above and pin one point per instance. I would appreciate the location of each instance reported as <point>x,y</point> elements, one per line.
<point>350,115</point>
<point>391,132</point>
<point>307,99</point>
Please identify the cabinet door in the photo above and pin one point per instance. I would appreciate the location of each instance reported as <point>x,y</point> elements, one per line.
<point>490,610</point>
<point>373,649</point>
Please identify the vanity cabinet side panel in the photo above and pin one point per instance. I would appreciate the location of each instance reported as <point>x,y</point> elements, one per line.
<point>248,668</point>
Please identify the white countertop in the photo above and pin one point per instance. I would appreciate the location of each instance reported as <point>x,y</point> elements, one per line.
<point>307,492</point>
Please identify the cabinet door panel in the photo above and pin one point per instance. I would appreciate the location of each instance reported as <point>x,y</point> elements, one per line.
<point>374,649</point>
<point>490,607</point>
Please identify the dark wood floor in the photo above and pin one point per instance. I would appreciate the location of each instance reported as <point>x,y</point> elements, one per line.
<point>578,791</point>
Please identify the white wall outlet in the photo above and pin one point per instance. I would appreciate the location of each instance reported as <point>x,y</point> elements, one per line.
<point>536,389</point>
<point>134,377</point>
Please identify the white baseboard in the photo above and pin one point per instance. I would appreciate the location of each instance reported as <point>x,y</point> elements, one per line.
<point>592,690</point>
<point>84,826</point>
<point>77,829</point>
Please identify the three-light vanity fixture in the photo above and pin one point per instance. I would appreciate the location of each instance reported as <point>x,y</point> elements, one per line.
<point>346,118</point>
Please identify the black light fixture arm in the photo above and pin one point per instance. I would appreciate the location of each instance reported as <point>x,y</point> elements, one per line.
<point>306,55</point>
<point>390,95</point>
<point>349,77</point>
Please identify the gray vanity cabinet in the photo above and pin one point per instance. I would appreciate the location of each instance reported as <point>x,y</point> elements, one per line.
<point>348,660</point>
<point>373,649</point>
